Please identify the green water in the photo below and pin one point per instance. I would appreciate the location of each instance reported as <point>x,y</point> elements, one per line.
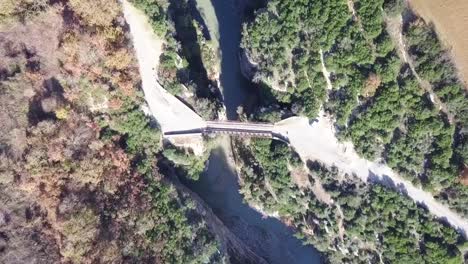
<point>218,186</point>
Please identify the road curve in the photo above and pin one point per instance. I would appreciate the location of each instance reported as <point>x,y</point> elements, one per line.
<point>170,112</point>
<point>317,141</point>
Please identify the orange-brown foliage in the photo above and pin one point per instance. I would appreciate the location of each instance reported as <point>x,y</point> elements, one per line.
<point>371,85</point>
<point>464,176</point>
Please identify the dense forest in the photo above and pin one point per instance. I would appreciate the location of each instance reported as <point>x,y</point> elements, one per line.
<point>79,176</point>
<point>353,222</point>
<point>379,101</point>
<point>85,177</point>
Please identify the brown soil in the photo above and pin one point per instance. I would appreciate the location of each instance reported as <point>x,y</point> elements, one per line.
<point>450,18</point>
<point>464,176</point>
<point>300,176</point>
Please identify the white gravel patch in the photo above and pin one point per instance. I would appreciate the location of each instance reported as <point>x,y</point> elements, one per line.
<point>318,142</point>
<point>170,113</point>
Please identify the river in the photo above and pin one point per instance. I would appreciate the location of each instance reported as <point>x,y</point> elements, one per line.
<point>218,186</point>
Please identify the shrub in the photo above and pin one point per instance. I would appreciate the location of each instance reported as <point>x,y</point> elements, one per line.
<point>100,13</point>
<point>61,113</point>
<point>79,232</point>
<point>10,9</point>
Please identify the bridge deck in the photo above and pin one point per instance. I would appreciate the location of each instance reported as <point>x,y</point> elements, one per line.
<point>232,128</point>
<point>240,126</point>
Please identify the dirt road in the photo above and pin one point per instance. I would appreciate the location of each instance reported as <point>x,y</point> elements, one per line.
<point>318,142</point>
<point>170,113</point>
<point>314,142</point>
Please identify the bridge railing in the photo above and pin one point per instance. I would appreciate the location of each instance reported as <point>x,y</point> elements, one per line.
<point>239,124</point>
<point>266,133</point>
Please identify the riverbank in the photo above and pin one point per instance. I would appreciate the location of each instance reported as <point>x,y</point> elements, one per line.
<point>238,251</point>
<point>264,235</point>
<point>223,20</point>
<point>219,185</point>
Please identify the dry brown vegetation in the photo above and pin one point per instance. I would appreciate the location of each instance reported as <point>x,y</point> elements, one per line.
<point>96,13</point>
<point>371,85</point>
<point>78,150</point>
<point>58,176</point>
<point>464,176</point>
<point>50,147</point>
<point>11,10</point>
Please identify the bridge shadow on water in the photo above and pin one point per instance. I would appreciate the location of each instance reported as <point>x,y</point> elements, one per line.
<point>266,236</point>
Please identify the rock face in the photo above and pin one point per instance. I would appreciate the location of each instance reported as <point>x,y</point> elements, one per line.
<point>238,252</point>
<point>247,66</point>
<point>251,71</point>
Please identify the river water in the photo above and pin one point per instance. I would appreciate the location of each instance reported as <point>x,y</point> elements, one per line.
<point>218,186</point>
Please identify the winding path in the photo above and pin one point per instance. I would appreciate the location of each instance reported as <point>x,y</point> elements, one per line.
<point>394,28</point>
